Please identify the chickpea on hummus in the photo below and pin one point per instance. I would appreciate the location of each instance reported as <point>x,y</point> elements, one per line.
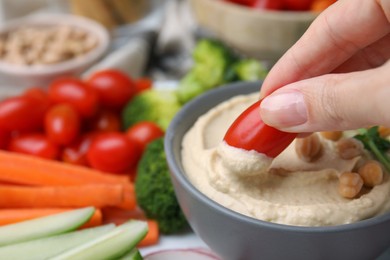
<point>321,180</point>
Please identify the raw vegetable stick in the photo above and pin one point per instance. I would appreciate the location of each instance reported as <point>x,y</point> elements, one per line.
<point>25,169</point>
<point>67,196</point>
<point>152,236</point>
<point>119,216</point>
<point>10,216</point>
<point>95,220</point>
<point>129,200</point>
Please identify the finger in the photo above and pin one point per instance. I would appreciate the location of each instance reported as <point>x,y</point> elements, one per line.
<point>334,37</point>
<point>372,56</point>
<point>331,102</point>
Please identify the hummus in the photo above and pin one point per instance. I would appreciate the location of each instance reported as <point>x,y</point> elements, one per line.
<point>285,190</point>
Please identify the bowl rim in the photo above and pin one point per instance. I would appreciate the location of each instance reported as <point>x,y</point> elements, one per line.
<point>272,14</point>
<point>86,24</point>
<point>176,172</point>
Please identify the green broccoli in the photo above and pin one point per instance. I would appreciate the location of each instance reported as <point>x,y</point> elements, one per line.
<point>189,88</point>
<point>158,106</point>
<point>215,65</point>
<point>154,190</point>
<point>250,70</point>
<point>212,61</point>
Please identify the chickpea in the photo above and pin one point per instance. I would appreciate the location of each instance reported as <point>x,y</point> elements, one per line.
<point>349,148</point>
<point>371,173</point>
<point>350,184</point>
<point>384,131</point>
<point>332,135</point>
<point>309,148</point>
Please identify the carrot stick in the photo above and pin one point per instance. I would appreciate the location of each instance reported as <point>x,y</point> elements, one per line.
<point>119,216</point>
<point>152,236</point>
<point>30,170</point>
<point>95,220</point>
<point>10,216</point>
<point>97,195</point>
<point>129,199</point>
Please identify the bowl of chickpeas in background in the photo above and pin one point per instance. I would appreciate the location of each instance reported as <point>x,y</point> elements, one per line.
<point>261,32</point>
<point>233,235</point>
<point>35,50</point>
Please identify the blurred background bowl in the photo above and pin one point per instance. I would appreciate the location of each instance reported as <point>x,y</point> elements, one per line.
<point>235,236</point>
<point>22,76</point>
<point>263,34</point>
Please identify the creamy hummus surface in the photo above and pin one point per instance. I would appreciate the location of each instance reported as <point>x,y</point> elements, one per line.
<point>283,190</point>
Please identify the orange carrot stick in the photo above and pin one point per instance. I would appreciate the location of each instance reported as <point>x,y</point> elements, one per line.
<point>30,170</point>
<point>95,220</point>
<point>152,236</point>
<point>10,216</point>
<point>129,199</point>
<point>97,195</point>
<point>119,216</point>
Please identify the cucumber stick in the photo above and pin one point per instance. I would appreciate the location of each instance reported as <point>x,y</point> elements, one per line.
<point>110,246</point>
<point>44,226</point>
<point>50,246</point>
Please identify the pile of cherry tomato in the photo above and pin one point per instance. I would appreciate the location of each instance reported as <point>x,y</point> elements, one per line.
<point>290,5</point>
<point>78,122</point>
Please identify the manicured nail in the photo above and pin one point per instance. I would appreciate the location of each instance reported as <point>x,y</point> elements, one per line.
<point>284,109</point>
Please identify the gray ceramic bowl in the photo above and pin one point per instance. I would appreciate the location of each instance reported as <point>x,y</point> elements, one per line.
<point>235,236</point>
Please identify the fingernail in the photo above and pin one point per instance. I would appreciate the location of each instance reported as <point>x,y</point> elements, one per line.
<point>284,109</point>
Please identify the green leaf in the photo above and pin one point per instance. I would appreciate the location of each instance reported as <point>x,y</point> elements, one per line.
<point>377,145</point>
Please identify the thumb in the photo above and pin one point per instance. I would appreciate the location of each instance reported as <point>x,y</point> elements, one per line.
<point>331,102</point>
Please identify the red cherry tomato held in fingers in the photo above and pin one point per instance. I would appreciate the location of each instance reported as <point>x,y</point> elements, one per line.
<point>62,124</point>
<point>75,93</point>
<point>113,152</point>
<point>297,5</point>
<point>105,121</point>
<point>268,4</point>
<point>143,133</point>
<point>22,113</point>
<point>249,132</point>
<point>76,152</point>
<point>36,144</point>
<point>114,87</point>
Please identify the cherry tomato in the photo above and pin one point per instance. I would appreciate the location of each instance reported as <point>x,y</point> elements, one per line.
<point>105,121</point>
<point>36,92</point>
<point>113,152</point>
<point>62,124</point>
<point>242,2</point>
<point>76,153</point>
<point>75,93</point>
<point>249,132</point>
<point>4,138</point>
<point>143,133</point>
<point>297,5</point>
<point>36,144</point>
<point>321,5</point>
<point>115,88</point>
<point>143,84</point>
<point>268,4</point>
<point>22,113</point>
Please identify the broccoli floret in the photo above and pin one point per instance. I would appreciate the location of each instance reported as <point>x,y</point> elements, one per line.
<point>189,87</point>
<point>212,61</point>
<point>250,70</point>
<point>154,190</point>
<point>155,105</point>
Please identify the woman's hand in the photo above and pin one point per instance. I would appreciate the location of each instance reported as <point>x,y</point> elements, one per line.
<point>336,77</point>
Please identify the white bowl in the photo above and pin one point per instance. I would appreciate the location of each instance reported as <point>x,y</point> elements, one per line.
<point>264,34</point>
<point>22,76</point>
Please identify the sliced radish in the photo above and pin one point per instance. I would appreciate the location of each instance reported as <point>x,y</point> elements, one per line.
<point>178,254</point>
